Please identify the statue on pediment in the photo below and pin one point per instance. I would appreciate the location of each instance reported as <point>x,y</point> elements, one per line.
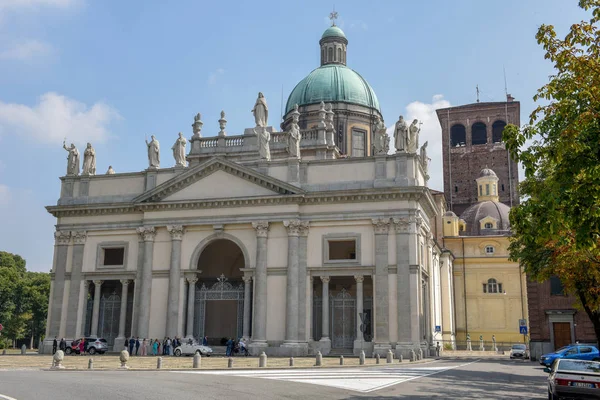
<point>179,151</point>
<point>379,137</point>
<point>153,152</point>
<point>401,135</point>
<point>264,139</point>
<point>261,111</point>
<point>294,135</point>
<point>413,137</point>
<point>72,159</point>
<point>89,161</point>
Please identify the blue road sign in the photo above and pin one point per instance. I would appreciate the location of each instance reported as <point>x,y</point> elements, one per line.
<point>438,328</point>
<point>523,330</point>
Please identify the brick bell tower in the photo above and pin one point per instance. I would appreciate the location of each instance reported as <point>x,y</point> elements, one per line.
<point>472,141</point>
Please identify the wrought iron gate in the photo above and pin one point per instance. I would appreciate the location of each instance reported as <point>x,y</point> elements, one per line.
<point>221,290</point>
<point>108,323</point>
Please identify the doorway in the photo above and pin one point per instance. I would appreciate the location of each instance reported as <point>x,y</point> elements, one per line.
<point>562,334</point>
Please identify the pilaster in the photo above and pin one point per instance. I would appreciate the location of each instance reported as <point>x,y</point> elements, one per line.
<point>79,238</point>
<point>259,331</point>
<point>382,337</point>
<point>62,240</point>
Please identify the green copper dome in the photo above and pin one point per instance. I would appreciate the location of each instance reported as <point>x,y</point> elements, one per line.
<point>333,83</point>
<point>333,31</point>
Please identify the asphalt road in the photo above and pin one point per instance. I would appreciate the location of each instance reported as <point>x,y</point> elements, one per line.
<point>444,379</point>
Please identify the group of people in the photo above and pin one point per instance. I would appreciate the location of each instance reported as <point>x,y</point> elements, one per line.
<point>80,347</point>
<point>234,347</point>
<point>56,345</point>
<point>135,346</point>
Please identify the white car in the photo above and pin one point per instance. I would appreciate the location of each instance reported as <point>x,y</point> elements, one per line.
<point>187,349</point>
<point>519,351</point>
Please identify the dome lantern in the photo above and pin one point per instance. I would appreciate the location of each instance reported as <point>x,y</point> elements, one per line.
<point>487,185</point>
<point>333,44</point>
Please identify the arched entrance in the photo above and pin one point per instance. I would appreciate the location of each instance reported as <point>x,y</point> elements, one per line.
<point>219,296</point>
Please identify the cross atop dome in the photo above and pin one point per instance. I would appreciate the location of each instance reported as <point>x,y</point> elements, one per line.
<point>333,16</point>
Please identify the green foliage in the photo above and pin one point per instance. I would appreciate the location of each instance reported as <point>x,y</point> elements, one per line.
<point>556,228</point>
<point>23,298</point>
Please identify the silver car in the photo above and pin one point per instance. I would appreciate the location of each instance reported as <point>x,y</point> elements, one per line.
<point>578,379</point>
<point>188,349</point>
<point>519,351</point>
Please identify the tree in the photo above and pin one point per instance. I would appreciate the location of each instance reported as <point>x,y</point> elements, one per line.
<point>556,228</point>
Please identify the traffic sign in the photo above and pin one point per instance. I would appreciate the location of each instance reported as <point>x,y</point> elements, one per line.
<point>438,328</point>
<point>522,322</point>
<point>523,330</point>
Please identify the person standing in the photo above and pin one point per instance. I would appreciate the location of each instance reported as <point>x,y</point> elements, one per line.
<point>155,347</point>
<point>205,341</point>
<point>63,344</point>
<point>169,345</point>
<point>54,345</point>
<point>144,347</point>
<point>82,346</point>
<point>131,344</point>
<point>137,345</point>
<point>229,351</point>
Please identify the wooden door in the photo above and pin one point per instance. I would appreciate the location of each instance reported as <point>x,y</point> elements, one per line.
<point>562,334</point>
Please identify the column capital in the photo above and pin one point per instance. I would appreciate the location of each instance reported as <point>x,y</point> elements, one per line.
<point>325,279</point>
<point>98,283</point>
<point>296,227</point>
<point>359,278</point>
<point>79,237</point>
<point>147,233</point>
<point>381,225</point>
<point>86,284</point>
<point>402,225</point>
<point>247,279</point>
<point>125,282</point>
<point>176,231</point>
<point>62,238</point>
<point>191,279</point>
<point>261,227</point>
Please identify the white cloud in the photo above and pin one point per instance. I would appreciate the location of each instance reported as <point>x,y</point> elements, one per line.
<point>56,117</point>
<point>430,132</point>
<point>4,195</point>
<point>25,50</point>
<point>214,77</point>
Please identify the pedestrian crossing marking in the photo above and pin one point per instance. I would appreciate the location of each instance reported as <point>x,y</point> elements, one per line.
<point>358,379</point>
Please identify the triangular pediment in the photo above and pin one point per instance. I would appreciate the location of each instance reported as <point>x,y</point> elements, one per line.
<point>218,179</point>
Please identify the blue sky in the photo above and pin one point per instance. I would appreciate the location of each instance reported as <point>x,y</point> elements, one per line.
<point>111,72</point>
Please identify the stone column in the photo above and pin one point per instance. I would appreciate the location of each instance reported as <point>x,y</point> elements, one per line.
<point>189,331</point>
<point>247,305</point>
<point>259,333</point>
<point>148,233</point>
<point>172,329</point>
<point>291,315</point>
<point>137,284</point>
<point>302,275</point>
<point>62,239</point>
<point>86,291</point>
<point>325,312</point>
<point>96,309</point>
<point>381,303</point>
<point>123,313</point>
<point>311,335</point>
<point>359,310</point>
<point>75,287</point>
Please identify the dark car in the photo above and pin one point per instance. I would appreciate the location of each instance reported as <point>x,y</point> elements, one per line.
<point>578,379</point>
<point>94,345</point>
<point>573,352</point>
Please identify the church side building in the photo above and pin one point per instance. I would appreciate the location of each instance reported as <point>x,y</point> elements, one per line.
<point>302,240</point>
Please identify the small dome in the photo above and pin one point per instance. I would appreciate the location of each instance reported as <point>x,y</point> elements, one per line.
<point>333,83</point>
<point>333,31</point>
<point>486,172</point>
<point>449,214</point>
<point>476,212</point>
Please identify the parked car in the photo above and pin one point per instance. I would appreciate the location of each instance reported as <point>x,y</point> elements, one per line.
<point>94,345</point>
<point>574,352</point>
<point>187,349</point>
<point>578,379</point>
<point>519,351</point>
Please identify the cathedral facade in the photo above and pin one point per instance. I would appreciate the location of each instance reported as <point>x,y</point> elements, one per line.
<point>307,239</point>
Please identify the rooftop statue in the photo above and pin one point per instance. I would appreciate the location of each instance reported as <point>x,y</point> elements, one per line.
<point>264,138</point>
<point>380,137</point>
<point>179,151</point>
<point>197,126</point>
<point>261,111</point>
<point>401,135</point>
<point>72,159</point>
<point>153,152</point>
<point>413,137</point>
<point>110,171</point>
<point>89,161</point>
<point>424,159</point>
<point>294,135</point>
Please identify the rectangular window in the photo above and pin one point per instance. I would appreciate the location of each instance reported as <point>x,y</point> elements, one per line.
<point>485,288</point>
<point>342,250</point>
<point>487,189</point>
<point>556,286</point>
<point>480,190</point>
<point>358,143</point>
<point>114,256</point>
<point>494,189</point>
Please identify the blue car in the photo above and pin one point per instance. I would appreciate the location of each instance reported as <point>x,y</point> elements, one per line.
<point>576,352</point>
